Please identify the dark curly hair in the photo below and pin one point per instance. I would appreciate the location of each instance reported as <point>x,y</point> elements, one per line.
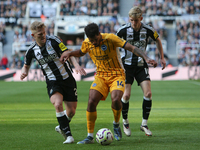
<point>91,30</point>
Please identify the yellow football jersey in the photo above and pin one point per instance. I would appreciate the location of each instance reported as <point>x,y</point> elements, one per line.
<point>106,56</point>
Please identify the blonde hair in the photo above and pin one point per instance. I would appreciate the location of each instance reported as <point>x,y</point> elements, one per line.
<point>37,25</point>
<point>135,12</point>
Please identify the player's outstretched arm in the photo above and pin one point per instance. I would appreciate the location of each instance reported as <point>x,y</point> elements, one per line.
<point>24,71</point>
<point>140,53</point>
<point>160,49</point>
<point>78,68</point>
<point>67,54</point>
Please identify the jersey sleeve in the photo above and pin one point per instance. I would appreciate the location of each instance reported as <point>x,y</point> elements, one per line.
<point>153,34</point>
<point>59,45</point>
<point>119,42</point>
<point>85,46</point>
<point>119,33</point>
<point>28,57</point>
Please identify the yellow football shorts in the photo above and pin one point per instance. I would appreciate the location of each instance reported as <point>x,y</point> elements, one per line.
<point>107,84</point>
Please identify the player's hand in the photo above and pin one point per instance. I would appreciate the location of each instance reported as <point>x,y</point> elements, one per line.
<point>152,63</point>
<point>163,63</point>
<point>80,70</point>
<point>64,57</point>
<point>23,75</point>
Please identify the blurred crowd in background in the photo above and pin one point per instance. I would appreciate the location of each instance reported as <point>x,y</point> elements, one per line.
<point>187,32</point>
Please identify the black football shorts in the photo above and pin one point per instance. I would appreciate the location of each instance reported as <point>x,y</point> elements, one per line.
<point>138,73</point>
<point>67,88</point>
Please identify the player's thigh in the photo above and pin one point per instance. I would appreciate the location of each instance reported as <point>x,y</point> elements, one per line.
<point>146,87</point>
<point>127,91</point>
<point>94,98</point>
<point>116,95</point>
<point>100,86</point>
<point>56,99</point>
<point>117,83</point>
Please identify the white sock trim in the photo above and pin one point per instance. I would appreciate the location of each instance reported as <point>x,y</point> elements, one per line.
<point>125,121</point>
<point>60,114</point>
<point>144,122</point>
<point>67,116</point>
<point>124,101</point>
<point>115,122</point>
<point>90,134</point>
<point>147,99</point>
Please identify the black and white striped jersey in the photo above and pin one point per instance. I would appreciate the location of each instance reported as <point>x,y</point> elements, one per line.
<point>48,58</point>
<point>138,39</point>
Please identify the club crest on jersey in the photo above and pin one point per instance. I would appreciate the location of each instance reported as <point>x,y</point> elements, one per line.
<point>94,84</point>
<point>103,47</point>
<point>143,36</point>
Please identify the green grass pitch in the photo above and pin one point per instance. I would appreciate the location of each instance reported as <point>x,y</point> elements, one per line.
<point>27,118</point>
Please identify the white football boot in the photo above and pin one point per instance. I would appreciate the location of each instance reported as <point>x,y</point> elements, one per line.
<point>126,127</point>
<point>146,130</point>
<point>69,140</point>
<point>57,129</point>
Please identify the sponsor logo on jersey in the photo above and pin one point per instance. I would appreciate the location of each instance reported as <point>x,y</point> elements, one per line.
<point>47,59</point>
<point>103,47</point>
<point>138,43</point>
<point>104,57</point>
<point>49,48</point>
<point>155,35</point>
<point>62,46</point>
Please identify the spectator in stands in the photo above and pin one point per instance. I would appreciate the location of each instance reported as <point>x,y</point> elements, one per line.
<point>94,10</point>
<point>105,11</point>
<point>4,62</point>
<point>2,36</point>
<point>115,7</point>
<point>83,7</point>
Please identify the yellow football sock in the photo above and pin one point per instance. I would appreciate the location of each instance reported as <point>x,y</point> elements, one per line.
<point>91,118</point>
<point>117,114</point>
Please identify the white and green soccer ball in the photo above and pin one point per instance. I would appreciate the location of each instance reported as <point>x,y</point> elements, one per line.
<point>104,136</point>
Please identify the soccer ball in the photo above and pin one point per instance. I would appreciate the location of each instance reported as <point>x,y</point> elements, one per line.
<point>104,136</point>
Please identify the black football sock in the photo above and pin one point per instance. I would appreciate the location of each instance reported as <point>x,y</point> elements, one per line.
<point>64,125</point>
<point>125,108</point>
<point>146,106</point>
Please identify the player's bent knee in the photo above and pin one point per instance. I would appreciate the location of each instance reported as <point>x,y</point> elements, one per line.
<point>71,113</point>
<point>126,97</point>
<point>148,94</point>
<point>58,107</point>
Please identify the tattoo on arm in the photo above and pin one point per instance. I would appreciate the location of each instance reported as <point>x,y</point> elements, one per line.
<point>139,52</point>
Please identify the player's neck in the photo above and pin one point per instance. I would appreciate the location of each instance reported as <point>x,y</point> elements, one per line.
<point>138,28</point>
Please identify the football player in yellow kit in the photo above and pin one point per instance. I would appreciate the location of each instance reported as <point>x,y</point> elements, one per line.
<point>110,74</point>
